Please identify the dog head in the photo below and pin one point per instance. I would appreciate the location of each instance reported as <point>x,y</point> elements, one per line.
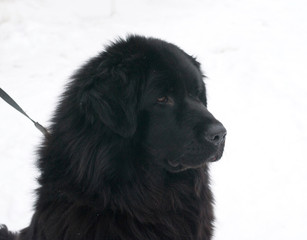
<point>152,93</point>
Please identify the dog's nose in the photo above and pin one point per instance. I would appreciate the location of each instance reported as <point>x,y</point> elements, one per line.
<point>215,133</point>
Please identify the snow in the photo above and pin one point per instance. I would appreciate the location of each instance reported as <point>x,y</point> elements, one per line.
<point>254,54</point>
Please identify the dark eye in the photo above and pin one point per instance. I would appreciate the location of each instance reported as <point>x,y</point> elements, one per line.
<point>163,99</point>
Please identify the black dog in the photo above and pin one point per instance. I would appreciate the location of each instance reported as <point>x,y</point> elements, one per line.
<point>128,152</point>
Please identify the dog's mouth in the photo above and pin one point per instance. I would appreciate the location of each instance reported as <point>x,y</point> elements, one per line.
<point>179,166</point>
<point>193,160</point>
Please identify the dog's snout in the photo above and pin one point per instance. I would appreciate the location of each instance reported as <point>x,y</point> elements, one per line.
<point>215,133</point>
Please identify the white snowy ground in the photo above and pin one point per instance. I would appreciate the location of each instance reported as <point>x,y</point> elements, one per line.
<point>254,53</point>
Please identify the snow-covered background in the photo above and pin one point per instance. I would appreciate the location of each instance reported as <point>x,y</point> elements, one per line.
<point>254,53</point>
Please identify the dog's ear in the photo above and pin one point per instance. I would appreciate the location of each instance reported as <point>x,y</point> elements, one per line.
<point>110,99</point>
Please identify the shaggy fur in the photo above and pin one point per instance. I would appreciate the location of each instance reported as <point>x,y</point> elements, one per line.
<point>128,152</point>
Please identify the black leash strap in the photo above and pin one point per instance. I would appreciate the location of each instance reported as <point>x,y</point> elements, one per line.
<point>10,101</point>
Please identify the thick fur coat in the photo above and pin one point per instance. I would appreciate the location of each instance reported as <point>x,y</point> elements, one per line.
<point>129,149</point>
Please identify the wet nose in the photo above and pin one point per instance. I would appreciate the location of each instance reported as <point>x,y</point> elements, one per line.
<point>215,133</point>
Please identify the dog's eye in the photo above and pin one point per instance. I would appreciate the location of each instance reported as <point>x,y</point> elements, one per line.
<point>163,99</point>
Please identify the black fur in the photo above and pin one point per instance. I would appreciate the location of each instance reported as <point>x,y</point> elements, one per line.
<point>127,157</point>
<point>5,234</point>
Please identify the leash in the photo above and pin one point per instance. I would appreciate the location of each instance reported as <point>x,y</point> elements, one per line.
<point>11,102</point>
